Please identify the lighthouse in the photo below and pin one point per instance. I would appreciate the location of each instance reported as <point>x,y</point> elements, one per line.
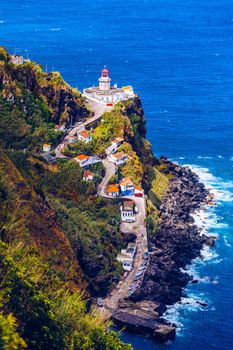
<point>106,94</point>
<point>104,80</point>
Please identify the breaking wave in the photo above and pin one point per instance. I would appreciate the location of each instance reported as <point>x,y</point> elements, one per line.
<point>206,219</point>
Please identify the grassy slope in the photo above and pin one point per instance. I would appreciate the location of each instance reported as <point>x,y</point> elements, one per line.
<point>40,278</point>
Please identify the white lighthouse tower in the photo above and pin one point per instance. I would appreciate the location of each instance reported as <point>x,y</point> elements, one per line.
<point>104,80</point>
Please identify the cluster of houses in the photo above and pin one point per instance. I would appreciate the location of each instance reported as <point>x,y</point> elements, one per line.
<point>118,158</point>
<point>125,188</point>
<point>83,135</point>
<point>83,160</point>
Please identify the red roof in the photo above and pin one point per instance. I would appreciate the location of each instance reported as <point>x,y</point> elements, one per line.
<point>84,134</point>
<point>82,157</point>
<point>138,188</point>
<point>87,173</point>
<point>113,189</point>
<point>105,72</point>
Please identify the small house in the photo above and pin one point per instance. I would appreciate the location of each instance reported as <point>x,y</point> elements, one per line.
<point>127,186</point>
<point>118,158</point>
<point>117,142</point>
<point>128,90</point>
<point>46,147</point>
<point>126,257</point>
<point>72,139</point>
<point>17,59</point>
<point>82,159</point>
<point>84,136</point>
<point>110,149</point>
<point>128,211</point>
<point>138,191</point>
<point>60,127</point>
<point>88,176</point>
<point>113,190</point>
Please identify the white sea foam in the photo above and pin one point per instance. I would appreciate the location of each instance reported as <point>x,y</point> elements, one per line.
<point>226,242</point>
<point>218,187</point>
<point>204,157</point>
<point>1,21</point>
<point>193,303</point>
<point>56,29</point>
<point>206,219</point>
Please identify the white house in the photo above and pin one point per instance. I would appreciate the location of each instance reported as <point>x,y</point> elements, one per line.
<point>110,149</point>
<point>113,190</point>
<point>88,176</point>
<point>82,159</point>
<point>72,139</point>
<point>17,59</point>
<point>46,147</point>
<point>118,158</point>
<point>126,257</point>
<point>117,142</point>
<point>127,186</point>
<point>60,127</point>
<point>128,211</point>
<point>128,90</point>
<point>84,136</point>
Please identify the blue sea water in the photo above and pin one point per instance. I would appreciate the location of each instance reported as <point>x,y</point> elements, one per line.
<point>178,55</point>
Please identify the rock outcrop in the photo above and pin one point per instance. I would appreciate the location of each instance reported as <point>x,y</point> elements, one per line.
<point>143,317</point>
<point>177,241</point>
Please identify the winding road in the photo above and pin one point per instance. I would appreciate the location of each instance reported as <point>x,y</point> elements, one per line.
<point>138,227</point>
<point>98,110</point>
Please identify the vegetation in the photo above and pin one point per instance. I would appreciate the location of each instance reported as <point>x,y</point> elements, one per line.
<point>39,311</point>
<point>32,102</point>
<point>58,240</point>
<point>159,187</point>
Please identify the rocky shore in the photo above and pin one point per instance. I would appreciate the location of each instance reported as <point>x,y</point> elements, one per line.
<point>176,243</point>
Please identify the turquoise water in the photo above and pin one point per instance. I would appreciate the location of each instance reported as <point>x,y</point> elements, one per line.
<point>178,55</point>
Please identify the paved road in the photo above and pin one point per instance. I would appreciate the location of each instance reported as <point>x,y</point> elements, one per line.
<point>139,228</point>
<point>98,110</point>
<point>110,169</point>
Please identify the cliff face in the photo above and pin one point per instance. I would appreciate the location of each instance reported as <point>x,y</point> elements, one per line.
<point>27,221</point>
<point>134,111</point>
<point>37,99</point>
<point>51,221</point>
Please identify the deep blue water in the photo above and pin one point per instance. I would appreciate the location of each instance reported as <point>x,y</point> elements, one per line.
<point>178,55</point>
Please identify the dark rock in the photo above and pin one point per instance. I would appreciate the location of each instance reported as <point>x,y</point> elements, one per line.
<point>202,303</point>
<point>194,281</point>
<point>161,332</point>
<point>210,241</point>
<point>178,240</point>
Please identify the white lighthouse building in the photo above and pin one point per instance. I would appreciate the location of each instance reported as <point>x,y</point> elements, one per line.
<point>106,94</point>
<point>104,80</point>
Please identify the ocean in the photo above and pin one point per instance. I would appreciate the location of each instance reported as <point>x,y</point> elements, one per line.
<point>178,55</point>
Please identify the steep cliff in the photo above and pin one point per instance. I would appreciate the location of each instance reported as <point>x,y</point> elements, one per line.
<point>58,241</point>
<point>33,101</point>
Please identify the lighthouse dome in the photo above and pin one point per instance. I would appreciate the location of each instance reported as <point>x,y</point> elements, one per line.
<point>105,72</point>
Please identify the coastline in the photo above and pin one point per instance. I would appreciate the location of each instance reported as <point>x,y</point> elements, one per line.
<point>178,242</point>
